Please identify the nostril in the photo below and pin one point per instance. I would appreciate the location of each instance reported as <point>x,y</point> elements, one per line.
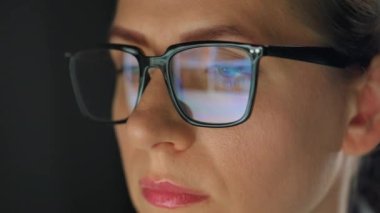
<point>165,145</point>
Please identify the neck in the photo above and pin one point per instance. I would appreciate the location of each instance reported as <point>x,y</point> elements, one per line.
<point>336,201</point>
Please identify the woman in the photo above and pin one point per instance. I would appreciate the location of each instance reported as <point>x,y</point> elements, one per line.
<point>239,126</point>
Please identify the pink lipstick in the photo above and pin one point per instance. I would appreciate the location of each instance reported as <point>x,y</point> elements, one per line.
<point>165,194</point>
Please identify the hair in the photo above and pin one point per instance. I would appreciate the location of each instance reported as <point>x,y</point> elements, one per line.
<point>352,27</point>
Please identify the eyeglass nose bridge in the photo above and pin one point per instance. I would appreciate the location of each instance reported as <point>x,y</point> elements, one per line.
<point>159,62</point>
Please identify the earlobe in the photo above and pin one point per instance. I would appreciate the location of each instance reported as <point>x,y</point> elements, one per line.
<point>363,133</point>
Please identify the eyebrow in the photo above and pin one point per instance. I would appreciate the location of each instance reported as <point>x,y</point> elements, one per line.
<point>128,34</point>
<point>207,33</point>
<point>211,33</point>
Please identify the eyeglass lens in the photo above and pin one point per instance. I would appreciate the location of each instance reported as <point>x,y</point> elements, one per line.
<point>213,83</point>
<point>210,84</point>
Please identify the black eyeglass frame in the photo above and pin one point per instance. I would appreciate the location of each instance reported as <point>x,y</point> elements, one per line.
<point>317,55</point>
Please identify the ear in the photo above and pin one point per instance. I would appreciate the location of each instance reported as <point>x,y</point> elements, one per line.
<point>363,133</point>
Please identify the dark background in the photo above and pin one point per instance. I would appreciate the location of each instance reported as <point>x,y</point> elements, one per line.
<point>51,158</point>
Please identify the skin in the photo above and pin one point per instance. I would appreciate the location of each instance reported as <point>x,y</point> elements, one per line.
<point>296,152</point>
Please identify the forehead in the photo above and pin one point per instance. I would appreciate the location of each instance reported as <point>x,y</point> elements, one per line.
<point>163,21</point>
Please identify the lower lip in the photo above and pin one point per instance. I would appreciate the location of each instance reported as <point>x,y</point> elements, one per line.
<point>167,195</point>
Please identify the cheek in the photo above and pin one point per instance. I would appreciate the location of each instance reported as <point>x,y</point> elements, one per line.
<point>134,163</point>
<point>288,151</point>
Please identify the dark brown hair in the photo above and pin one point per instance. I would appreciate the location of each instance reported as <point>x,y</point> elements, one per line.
<point>350,26</point>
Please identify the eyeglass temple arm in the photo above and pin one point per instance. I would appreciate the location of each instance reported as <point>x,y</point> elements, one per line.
<point>319,55</point>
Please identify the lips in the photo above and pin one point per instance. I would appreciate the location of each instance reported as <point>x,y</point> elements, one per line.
<point>166,194</point>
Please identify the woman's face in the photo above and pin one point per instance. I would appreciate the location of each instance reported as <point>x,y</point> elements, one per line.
<point>285,158</point>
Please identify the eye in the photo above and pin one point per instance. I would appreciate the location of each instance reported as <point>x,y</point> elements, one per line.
<point>230,75</point>
<point>229,72</point>
<point>230,69</point>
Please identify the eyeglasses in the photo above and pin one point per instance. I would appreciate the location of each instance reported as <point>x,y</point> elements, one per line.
<point>211,83</point>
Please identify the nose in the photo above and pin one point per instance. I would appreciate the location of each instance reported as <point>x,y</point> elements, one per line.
<point>155,123</point>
